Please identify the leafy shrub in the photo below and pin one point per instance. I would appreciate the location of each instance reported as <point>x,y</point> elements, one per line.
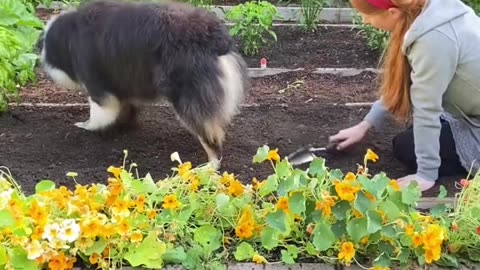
<point>338,3</point>
<point>376,39</point>
<point>474,4</point>
<point>31,5</point>
<point>200,3</point>
<point>201,219</point>
<point>310,11</point>
<point>19,30</point>
<point>252,21</point>
<point>464,237</point>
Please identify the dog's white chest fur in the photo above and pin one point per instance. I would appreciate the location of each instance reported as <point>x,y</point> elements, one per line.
<point>57,75</point>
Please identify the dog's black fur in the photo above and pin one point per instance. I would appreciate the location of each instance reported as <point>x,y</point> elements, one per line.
<point>121,53</point>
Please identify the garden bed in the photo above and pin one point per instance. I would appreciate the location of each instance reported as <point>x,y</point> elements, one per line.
<point>42,143</point>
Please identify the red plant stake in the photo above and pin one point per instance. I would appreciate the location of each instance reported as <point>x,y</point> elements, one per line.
<point>263,63</point>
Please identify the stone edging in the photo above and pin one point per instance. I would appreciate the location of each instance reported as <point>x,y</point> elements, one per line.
<point>288,14</point>
<point>294,14</point>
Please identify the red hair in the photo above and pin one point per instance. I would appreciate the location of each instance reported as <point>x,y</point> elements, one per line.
<point>395,85</point>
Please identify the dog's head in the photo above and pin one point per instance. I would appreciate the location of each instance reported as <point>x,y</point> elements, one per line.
<point>39,45</point>
<point>54,49</point>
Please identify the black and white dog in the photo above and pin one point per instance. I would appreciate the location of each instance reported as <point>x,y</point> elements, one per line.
<point>124,53</point>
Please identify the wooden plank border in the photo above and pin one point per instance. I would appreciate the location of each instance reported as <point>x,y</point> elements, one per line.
<point>297,266</point>
<point>430,202</point>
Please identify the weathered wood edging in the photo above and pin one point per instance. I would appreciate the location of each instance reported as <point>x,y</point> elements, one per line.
<point>344,72</point>
<point>298,266</point>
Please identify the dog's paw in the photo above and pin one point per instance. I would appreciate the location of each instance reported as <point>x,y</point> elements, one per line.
<point>81,124</point>
<point>215,163</point>
<point>87,125</point>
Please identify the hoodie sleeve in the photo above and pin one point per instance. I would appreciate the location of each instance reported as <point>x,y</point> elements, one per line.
<point>433,58</point>
<point>377,115</point>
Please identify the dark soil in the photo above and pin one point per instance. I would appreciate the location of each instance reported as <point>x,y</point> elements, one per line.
<point>328,47</point>
<point>43,143</point>
<point>296,87</point>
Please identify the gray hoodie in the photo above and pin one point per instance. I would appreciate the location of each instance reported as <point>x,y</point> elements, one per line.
<point>443,49</point>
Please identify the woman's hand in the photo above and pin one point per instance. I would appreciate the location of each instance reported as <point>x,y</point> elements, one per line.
<point>347,137</point>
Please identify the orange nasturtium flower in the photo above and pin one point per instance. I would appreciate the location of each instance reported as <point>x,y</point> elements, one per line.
<point>283,204</point>
<point>380,268</point>
<point>184,170</point>
<point>273,155</point>
<point>370,155</point>
<point>350,177</point>
<point>325,205</point>
<point>346,191</point>
<point>394,185</point>
<point>136,237</point>
<point>246,224</point>
<point>347,252</point>
<point>171,202</point>
<point>259,259</point>
<point>235,188</point>
<point>116,171</point>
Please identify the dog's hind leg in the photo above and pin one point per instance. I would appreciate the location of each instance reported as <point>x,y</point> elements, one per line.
<point>210,133</point>
<point>211,138</point>
<point>127,117</point>
<point>104,112</point>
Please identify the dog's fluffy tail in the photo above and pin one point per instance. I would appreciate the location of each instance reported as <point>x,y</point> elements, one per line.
<point>208,114</point>
<point>234,82</point>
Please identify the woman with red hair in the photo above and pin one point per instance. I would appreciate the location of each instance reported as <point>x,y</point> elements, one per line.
<point>431,75</point>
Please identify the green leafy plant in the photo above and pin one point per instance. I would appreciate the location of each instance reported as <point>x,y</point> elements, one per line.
<point>19,30</point>
<point>201,219</point>
<point>310,11</point>
<point>376,39</point>
<point>464,236</point>
<point>337,3</point>
<point>33,4</point>
<point>474,4</point>
<point>207,4</point>
<point>252,21</point>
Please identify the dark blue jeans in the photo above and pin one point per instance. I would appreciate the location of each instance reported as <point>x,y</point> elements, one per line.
<point>404,151</point>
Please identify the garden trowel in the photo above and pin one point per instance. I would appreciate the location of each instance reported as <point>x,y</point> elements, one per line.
<point>307,154</point>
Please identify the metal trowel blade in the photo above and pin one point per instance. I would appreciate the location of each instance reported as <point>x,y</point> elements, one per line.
<point>306,154</point>
<point>301,156</point>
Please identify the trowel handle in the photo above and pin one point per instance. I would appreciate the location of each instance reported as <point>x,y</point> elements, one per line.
<point>332,146</point>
